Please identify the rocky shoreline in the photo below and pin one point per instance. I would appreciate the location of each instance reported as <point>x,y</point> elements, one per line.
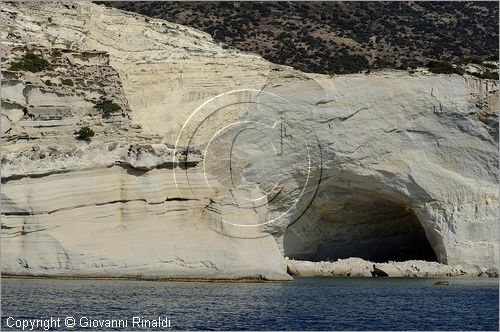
<point>137,278</point>
<point>349,267</point>
<point>357,267</point>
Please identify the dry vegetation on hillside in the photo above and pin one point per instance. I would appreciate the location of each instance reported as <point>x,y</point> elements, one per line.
<point>342,37</point>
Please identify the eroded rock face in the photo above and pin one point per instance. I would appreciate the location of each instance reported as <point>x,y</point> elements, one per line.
<point>357,267</point>
<point>219,163</point>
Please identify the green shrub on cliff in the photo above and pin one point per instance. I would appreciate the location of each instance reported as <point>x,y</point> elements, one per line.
<point>107,107</point>
<point>85,133</point>
<point>489,75</point>
<point>30,62</point>
<point>438,67</point>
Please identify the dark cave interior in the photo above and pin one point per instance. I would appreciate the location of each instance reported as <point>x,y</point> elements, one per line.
<point>357,225</point>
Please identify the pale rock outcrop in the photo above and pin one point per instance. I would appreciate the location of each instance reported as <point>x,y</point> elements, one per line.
<point>492,272</point>
<point>219,163</point>
<point>350,267</point>
<point>356,267</point>
<point>72,214</point>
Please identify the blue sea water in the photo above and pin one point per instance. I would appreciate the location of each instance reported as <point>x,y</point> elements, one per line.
<point>303,304</point>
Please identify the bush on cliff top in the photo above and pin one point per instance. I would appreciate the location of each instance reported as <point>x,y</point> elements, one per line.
<point>489,75</point>
<point>438,67</point>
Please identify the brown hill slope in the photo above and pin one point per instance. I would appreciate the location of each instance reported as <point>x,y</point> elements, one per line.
<point>342,37</point>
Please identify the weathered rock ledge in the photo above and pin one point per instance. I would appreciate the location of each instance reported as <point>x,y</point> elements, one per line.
<point>357,267</point>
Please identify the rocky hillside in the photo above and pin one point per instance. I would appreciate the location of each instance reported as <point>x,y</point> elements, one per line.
<point>49,92</point>
<point>136,147</point>
<point>342,37</point>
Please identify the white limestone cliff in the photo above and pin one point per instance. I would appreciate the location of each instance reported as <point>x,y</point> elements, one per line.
<point>220,163</point>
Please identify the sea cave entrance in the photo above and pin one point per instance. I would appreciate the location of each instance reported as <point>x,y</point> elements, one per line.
<point>342,224</point>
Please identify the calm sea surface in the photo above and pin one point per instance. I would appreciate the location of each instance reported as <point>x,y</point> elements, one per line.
<point>304,304</point>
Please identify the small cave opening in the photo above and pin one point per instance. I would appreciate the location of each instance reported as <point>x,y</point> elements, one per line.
<point>344,224</point>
